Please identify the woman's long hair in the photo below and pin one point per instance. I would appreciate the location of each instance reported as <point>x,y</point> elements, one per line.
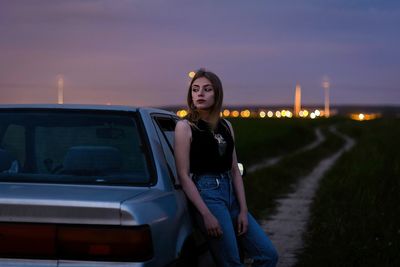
<point>193,114</point>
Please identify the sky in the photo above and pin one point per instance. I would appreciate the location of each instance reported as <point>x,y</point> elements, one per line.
<point>131,52</point>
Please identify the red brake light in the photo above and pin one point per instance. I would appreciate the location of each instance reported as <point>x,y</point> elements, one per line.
<point>75,242</point>
<point>103,243</point>
<point>18,240</point>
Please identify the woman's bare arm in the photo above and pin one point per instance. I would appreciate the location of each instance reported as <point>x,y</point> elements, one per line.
<point>183,135</point>
<point>239,189</point>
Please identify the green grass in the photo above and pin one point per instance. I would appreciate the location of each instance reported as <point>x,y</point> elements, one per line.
<point>355,219</point>
<point>264,186</point>
<point>257,139</point>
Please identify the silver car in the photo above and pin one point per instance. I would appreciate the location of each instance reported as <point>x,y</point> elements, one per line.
<point>91,186</point>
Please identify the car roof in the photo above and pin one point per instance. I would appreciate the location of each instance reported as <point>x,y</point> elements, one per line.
<point>78,107</point>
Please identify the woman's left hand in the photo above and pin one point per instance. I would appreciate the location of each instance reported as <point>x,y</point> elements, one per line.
<point>242,223</point>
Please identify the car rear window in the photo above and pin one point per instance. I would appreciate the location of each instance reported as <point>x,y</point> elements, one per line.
<point>82,147</point>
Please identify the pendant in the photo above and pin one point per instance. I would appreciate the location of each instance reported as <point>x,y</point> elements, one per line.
<point>221,143</point>
<point>219,138</point>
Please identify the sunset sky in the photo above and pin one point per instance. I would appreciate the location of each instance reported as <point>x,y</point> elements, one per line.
<point>135,52</point>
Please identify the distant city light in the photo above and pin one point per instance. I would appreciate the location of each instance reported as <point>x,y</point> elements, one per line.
<point>245,113</point>
<point>283,113</point>
<point>286,113</point>
<point>181,113</point>
<point>226,112</point>
<point>364,116</point>
<point>191,74</point>
<point>235,113</point>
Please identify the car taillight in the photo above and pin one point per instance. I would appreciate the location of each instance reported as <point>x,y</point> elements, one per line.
<point>76,242</point>
<point>33,241</point>
<point>105,244</point>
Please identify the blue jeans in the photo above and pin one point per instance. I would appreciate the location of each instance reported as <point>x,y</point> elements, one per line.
<point>218,194</point>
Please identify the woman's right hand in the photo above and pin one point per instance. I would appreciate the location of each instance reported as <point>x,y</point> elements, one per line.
<point>212,225</point>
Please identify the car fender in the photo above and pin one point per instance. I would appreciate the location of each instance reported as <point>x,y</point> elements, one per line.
<point>166,214</point>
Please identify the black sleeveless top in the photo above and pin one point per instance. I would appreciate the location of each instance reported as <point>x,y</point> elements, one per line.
<point>211,151</point>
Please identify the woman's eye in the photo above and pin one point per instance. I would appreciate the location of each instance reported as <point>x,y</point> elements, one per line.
<point>208,89</point>
<point>195,89</point>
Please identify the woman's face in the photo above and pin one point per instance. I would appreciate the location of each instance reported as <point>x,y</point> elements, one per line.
<point>202,93</point>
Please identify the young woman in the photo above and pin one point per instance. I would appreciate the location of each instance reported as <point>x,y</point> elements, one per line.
<point>208,171</point>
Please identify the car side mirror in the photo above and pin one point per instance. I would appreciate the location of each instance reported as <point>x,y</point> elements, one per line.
<point>242,169</point>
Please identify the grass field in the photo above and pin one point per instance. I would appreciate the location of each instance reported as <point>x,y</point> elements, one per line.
<point>356,213</point>
<point>257,139</point>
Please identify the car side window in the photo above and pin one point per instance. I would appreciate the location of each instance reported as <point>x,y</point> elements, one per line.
<point>166,126</point>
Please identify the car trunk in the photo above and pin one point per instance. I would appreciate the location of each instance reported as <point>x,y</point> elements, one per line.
<point>67,204</point>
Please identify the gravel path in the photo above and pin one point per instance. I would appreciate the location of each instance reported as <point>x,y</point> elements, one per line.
<point>287,226</point>
<point>271,161</point>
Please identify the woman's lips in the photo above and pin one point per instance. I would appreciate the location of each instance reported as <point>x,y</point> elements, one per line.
<point>200,101</point>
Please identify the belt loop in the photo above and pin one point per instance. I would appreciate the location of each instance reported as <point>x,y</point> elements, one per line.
<point>217,180</point>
